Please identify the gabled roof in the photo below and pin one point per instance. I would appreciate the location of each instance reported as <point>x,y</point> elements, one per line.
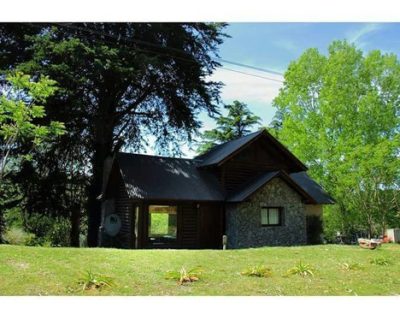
<point>223,152</point>
<point>249,189</point>
<point>220,152</point>
<point>312,188</point>
<point>163,178</point>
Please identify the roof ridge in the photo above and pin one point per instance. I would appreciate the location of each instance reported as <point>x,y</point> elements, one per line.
<point>227,142</point>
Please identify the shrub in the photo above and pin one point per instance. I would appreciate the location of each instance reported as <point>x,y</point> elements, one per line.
<point>381,261</point>
<point>301,269</point>
<point>257,271</point>
<point>91,281</point>
<point>184,276</point>
<point>17,236</point>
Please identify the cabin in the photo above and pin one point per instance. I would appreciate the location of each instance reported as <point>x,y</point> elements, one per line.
<point>252,190</point>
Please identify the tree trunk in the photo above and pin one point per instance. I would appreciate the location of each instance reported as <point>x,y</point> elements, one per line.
<point>75,225</point>
<point>102,149</point>
<point>94,205</point>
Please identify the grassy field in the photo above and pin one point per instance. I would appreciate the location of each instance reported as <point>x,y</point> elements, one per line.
<point>338,270</point>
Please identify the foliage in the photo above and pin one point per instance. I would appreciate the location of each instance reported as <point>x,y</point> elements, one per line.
<point>91,281</point>
<point>381,261</point>
<point>183,276</point>
<point>301,269</point>
<point>17,236</point>
<point>339,113</point>
<point>257,271</point>
<point>21,105</point>
<point>45,230</point>
<point>119,83</point>
<point>237,123</point>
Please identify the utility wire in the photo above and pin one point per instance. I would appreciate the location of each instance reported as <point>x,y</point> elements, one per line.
<point>119,37</point>
<point>249,66</point>
<point>249,74</point>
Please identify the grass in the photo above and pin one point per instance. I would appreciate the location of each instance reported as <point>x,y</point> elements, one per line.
<point>57,271</point>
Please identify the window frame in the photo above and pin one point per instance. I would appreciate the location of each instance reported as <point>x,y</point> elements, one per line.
<point>172,241</point>
<point>280,215</point>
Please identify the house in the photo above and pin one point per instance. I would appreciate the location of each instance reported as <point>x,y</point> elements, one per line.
<point>252,189</point>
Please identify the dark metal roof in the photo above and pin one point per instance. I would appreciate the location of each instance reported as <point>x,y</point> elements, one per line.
<point>163,178</point>
<point>220,152</point>
<point>223,152</point>
<point>312,188</point>
<point>245,192</point>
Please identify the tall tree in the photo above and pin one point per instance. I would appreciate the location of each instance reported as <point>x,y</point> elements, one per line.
<point>120,82</point>
<point>21,109</point>
<point>340,114</point>
<point>237,123</point>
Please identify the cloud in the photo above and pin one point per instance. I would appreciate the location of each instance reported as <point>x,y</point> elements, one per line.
<point>358,36</point>
<point>247,88</point>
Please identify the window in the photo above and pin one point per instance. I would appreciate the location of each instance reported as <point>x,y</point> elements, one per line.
<point>271,216</point>
<point>162,223</point>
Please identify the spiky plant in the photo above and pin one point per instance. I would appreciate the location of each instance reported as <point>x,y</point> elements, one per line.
<point>257,271</point>
<point>91,281</point>
<point>301,269</point>
<point>183,276</point>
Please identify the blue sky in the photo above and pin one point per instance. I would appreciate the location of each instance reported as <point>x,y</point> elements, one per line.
<point>274,45</point>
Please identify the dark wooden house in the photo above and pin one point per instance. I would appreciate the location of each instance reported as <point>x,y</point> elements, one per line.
<point>253,190</point>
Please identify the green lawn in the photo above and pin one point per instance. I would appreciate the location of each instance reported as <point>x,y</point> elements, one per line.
<point>56,271</point>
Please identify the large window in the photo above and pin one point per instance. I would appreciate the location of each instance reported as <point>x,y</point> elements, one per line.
<point>162,223</point>
<point>271,216</point>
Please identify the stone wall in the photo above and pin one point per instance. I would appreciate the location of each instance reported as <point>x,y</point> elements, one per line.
<point>243,220</point>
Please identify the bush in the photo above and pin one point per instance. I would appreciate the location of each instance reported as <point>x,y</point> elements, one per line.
<point>257,271</point>
<point>183,276</point>
<point>49,231</point>
<point>17,236</point>
<point>90,281</point>
<point>301,269</point>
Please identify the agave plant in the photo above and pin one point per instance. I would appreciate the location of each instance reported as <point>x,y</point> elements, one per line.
<point>301,269</point>
<point>257,271</point>
<point>91,281</point>
<point>183,276</point>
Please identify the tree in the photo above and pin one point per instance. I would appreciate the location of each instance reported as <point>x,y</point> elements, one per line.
<point>120,82</point>
<point>237,123</point>
<point>340,114</point>
<point>21,108</point>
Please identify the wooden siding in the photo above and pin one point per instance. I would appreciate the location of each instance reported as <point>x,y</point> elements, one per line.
<point>255,159</point>
<point>124,209</point>
<point>189,231</point>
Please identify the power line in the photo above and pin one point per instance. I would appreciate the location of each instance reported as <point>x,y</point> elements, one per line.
<point>133,40</point>
<point>249,66</point>
<point>249,74</point>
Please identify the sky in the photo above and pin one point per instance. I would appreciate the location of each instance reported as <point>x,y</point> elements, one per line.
<point>273,46</point>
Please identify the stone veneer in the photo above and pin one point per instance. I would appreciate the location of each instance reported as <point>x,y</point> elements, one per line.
<point>243,220</point>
